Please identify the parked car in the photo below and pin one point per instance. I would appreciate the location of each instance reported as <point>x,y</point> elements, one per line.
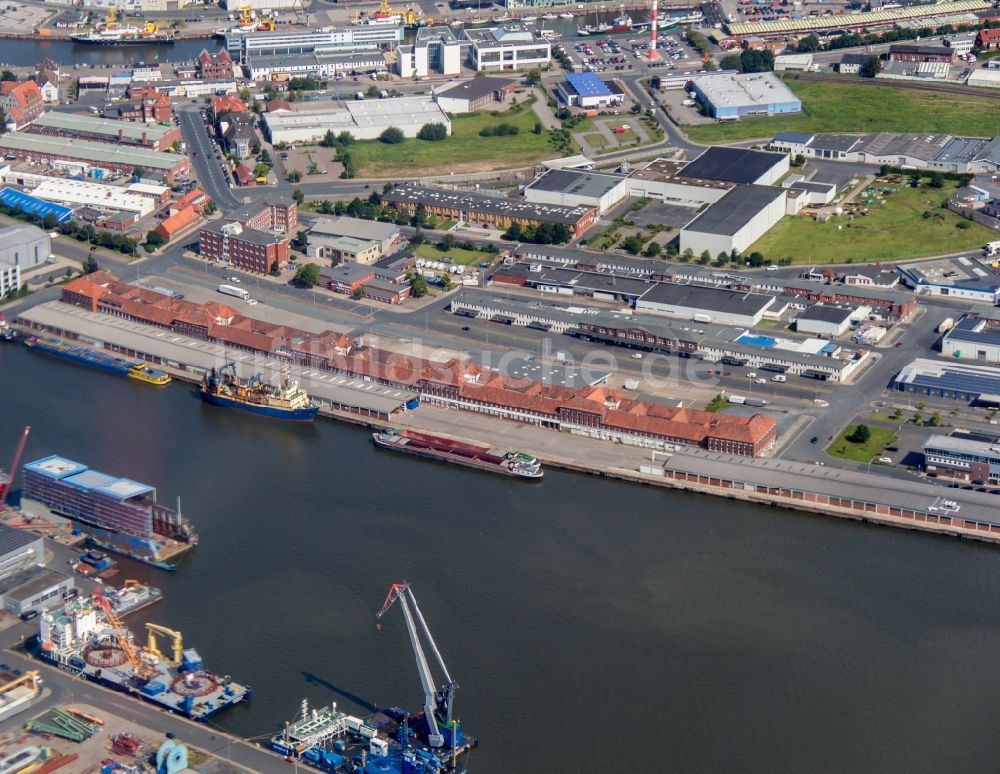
<point>885,460</point>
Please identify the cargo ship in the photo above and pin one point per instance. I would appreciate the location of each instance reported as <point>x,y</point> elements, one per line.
<point>505,461</point>
<point>116,514</point>
<point>87,638</point>
<point>222,387</point>
<point>106,362</point>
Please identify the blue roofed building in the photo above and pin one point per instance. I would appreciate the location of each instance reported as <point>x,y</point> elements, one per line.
<point>968,381</point>
<point>32,205</point>
<point>586,90</point>
<point>974,337</point>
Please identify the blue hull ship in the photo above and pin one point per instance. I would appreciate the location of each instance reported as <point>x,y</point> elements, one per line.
<point>223,387</point>
<point>74,354</point>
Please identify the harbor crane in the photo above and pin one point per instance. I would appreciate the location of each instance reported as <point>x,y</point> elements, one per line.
<point>437,703</point>
<point>177,643</point>
<point>7,480</point>
<point>123,638</point>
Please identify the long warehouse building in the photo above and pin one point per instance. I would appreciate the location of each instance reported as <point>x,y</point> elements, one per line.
<point>155,137</point>
<point>88,155</point>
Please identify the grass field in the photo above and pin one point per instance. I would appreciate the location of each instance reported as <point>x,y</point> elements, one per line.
<point>897,229</point>
<point>596,140</point>
<point>843,449</point>
<point>463,151</point>
<point>852,107</point>
<point>456,254</point>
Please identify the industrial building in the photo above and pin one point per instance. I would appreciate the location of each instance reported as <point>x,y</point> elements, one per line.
<point>736,221</point>
<point>910,52</point>
<point>828,320</point>
<point>86,155</point>
<point>378,284</point>
<point>969,381</point>
<point>77,193</point>
<point>710,305</point>
<point>384,236</point>
<point>662,179</point>
<point>22,247</point>
<point>243,248</point>
<point>974,337</point>
<point>474,94</point>
<point>730,96</point>
<point>587,91</point>
<point>737,165</point>
<point>436,49</point>
<point>155,137</point>
<point>963,278</point>
<point>498,212</point>
<point>572,188</point>
<point>941,152</point>
<point>364,119</point>
<point>35,588</point>
<point>313,64</point>
<point>20,550</point>
<point>328,40</point>
<point>967,459</point>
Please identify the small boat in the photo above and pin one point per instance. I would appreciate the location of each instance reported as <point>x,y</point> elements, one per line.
<point>529,18</point>
<point>549,16</point>
<point>148,375</point>
<point>565,15</point>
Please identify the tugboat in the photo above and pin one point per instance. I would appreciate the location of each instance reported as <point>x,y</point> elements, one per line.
<point>222,387</point>
<point>6,332</point>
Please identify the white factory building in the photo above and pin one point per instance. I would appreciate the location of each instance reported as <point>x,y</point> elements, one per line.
<point>703,304</point>
<point>731,96</point>
<point>364,119</point>
<point>829,320</point>
<point>736,221</point>
<point>78,193</point>
<point>22,247</point>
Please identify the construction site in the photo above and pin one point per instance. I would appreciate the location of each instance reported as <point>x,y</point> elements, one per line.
<point>87,637</point>
<point>391,740</point>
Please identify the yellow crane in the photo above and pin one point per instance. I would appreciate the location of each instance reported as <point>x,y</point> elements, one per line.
<point>246,14</point>
<point>151,28</point>
<point>178,643</point>
<point>30,678</point>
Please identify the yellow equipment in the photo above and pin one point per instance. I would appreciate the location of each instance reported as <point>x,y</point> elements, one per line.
<point>111,18</point>
<point>142,670</point>
<point>246,14</point>
<point>266,25</point>
<point>28,677</point>
<point>178,643</point>
<point>151,28</point>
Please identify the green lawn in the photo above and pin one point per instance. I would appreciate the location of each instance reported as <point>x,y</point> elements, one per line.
<point>463,151</point>
<point>894,230</point>
<point>596,140</point>
<point>853,107</point>
<point>843,449</point>
<point>456,254</point>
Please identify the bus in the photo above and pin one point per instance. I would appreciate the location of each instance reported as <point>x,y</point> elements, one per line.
<point>232,290</point>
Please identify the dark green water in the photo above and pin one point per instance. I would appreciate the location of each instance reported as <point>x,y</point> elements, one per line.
<point>593,626</point>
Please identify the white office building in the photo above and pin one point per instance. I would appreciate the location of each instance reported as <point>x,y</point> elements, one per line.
<point>364,119</point>
<point>22,247</point>
<point>507,47</point>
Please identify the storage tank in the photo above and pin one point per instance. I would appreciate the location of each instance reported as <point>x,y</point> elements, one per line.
<point>631,384</point>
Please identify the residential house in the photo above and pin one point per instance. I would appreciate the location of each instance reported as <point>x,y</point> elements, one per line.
<point>240,135</point>
<point>22,102</point>
<point>218,66</point>
<point>47,77</point>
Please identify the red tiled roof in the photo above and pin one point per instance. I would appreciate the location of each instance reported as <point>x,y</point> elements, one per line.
<point>177,222</point>
<point>227,104</point>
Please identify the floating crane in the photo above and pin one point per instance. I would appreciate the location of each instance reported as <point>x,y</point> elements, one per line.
<point>178,643</point>
<point>437,703</point>
<point>6,481</point>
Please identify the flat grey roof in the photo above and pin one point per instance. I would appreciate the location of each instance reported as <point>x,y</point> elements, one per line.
<point>72,122</point>
<point>12,539</point>
<point>731,165</point>
<point>826,313</point>
<point>698,297</point>
<point>964,446</point>
<point>576,182</point>
<point>475,88</point>
<point>30,582</point>
<point>494,205</point>
<point>354,227</point>
<point>246,235</point>
<point>95,152</point>
<point>734,210</point>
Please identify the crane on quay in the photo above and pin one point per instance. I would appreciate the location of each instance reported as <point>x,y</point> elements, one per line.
<point>437,703</point>
<point>7,479</point>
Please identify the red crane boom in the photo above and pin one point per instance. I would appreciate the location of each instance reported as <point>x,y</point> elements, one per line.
<point>5,485</point>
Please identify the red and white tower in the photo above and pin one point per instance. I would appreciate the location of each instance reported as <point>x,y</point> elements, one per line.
<point>654,55</point>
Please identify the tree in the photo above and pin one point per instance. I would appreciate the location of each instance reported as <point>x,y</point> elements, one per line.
<point>871,67</point>
<point>90,265</point>
<point>329,139</point>
<point>392,136</point>
<point>345,138</point>
<point>308,275</point>
<point>446,281</point>
<point>937,180</point>
<point>155,238</point>
<point>433,132</point>
<point>538,127</point>
<point>301,241</point>
<point>808,44</point>
<point>298,196</point>
<point>294,176</point>
<point>653,249</point>
<point>633,244</point>
<point>704,258</point>
<point>752,61</point>
<point>138,172</point>
<point>359,293</point>
<point>261,170</point>
<point>533,78</point>
<point>447,242</point>
<point>418,285</point>
<point>7,75</point>
<point>731,62</point>
<point>210,207</point>
<point>860,434</point>
<point>49,222</point>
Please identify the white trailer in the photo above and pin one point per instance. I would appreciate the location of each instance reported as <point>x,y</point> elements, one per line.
<point>946,325</point>
<point>991,249</point>
<point>232,290</point>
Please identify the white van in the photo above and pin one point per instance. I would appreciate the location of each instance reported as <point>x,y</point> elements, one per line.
<point>779,378</point>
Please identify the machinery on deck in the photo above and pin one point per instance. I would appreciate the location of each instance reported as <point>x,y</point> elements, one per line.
<point>7,478</point>
<point>438,704</point>
<point>177,639</point>
<point>123,639</point>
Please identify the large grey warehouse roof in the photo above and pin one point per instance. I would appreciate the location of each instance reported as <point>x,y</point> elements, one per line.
<point>494,205</point>
<point>571,181</point>
<point>12,539</point>
<point>107,127</point>
<point>732,165</point>
<point>734,210</point>
<point>475,88</point>
<point>94,152</point>
<point>708,299</point>
<point>826,313</point>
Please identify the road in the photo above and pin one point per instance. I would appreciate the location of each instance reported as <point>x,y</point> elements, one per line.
<point>207,167</point>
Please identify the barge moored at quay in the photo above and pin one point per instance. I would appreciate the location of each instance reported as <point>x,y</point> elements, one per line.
<point>504,461</point>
